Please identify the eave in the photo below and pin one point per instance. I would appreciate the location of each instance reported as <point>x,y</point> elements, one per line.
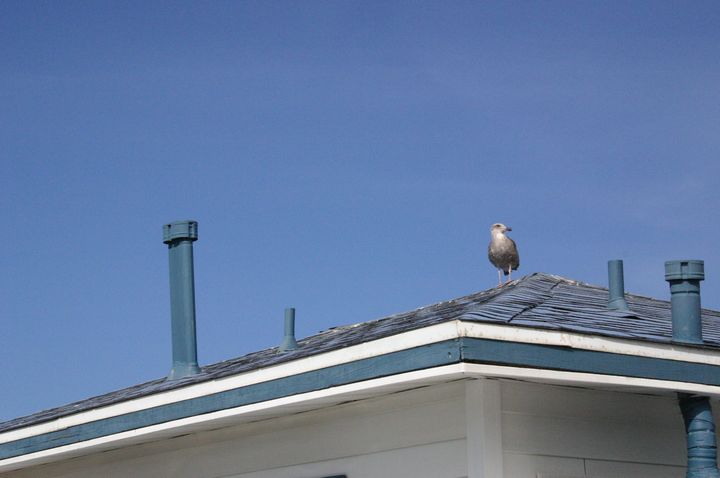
<point>448,351</point>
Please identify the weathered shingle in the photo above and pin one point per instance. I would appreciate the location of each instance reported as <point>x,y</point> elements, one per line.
<point>539,301</point>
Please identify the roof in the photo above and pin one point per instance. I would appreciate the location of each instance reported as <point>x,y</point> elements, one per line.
<point>539,301</point>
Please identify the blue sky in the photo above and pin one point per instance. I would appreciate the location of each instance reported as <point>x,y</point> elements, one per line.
<point>344,158</point>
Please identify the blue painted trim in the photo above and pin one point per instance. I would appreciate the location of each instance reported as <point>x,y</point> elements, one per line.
<point>418,358</point>
<point>576,360</point>
<point>434,355</point>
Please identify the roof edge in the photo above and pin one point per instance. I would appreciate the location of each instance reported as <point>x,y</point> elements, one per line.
<point>545,362</point>
<point>385,347</point>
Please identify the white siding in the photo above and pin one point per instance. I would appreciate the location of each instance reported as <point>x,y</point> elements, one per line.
<point>483,425</point>
<point>545,431</point>
<point>570,432</point>
<point>444,459</point>
<point>422,429</point>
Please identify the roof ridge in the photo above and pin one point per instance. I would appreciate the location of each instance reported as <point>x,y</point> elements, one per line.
<point>603,288</point>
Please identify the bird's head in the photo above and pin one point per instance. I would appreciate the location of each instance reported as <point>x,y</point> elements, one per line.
<point>498,228</point>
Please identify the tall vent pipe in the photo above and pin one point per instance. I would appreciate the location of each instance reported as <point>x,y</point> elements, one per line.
<point>616,286</point>
<point>179,237</point>
<point>684,277</point>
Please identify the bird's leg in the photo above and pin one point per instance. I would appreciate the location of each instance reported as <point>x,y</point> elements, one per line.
<point>509,273</point>
<point>500,282</point>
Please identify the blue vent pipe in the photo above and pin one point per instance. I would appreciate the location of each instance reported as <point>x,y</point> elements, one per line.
<point>700,428</point>
<point>616,286</point>
<point>684,278</point>
<point>179,237</point>
<point>289,342</point>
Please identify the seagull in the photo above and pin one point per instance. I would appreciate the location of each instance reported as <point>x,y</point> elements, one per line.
<point>502,251</point>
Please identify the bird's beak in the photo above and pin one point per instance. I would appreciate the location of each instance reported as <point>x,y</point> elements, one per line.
<point>509,228</point>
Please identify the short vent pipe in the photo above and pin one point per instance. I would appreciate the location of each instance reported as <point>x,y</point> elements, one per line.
<point>289,342</point>
<point>616,286</point>
<point>179,236</point>
<point>684,277</point>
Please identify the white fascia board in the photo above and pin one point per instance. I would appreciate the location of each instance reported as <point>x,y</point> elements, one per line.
<point>588,342</point>
<point>581,379</point>
<point>415,338</point>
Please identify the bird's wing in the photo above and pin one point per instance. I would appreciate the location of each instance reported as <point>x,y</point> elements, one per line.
<point>515,255</point>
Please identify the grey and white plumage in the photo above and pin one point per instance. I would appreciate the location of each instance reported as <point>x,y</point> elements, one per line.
<point>502,251</point>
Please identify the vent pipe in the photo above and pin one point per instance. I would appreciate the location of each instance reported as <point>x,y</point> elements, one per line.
<point>616,286</point>
<point>179,237</point>
<point>289,342</point>
<point>684,277</point>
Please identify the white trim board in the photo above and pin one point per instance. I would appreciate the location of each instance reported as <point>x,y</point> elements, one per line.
<point>335,395</point>
<point>403,341</point>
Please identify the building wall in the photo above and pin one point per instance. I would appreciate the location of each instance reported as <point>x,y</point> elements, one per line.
<point>419,432</point>
<point>546,432</point>
<point>573,432</point>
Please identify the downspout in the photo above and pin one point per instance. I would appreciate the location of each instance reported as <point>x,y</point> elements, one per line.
<point>700,429</point>
<point>684,278</point>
